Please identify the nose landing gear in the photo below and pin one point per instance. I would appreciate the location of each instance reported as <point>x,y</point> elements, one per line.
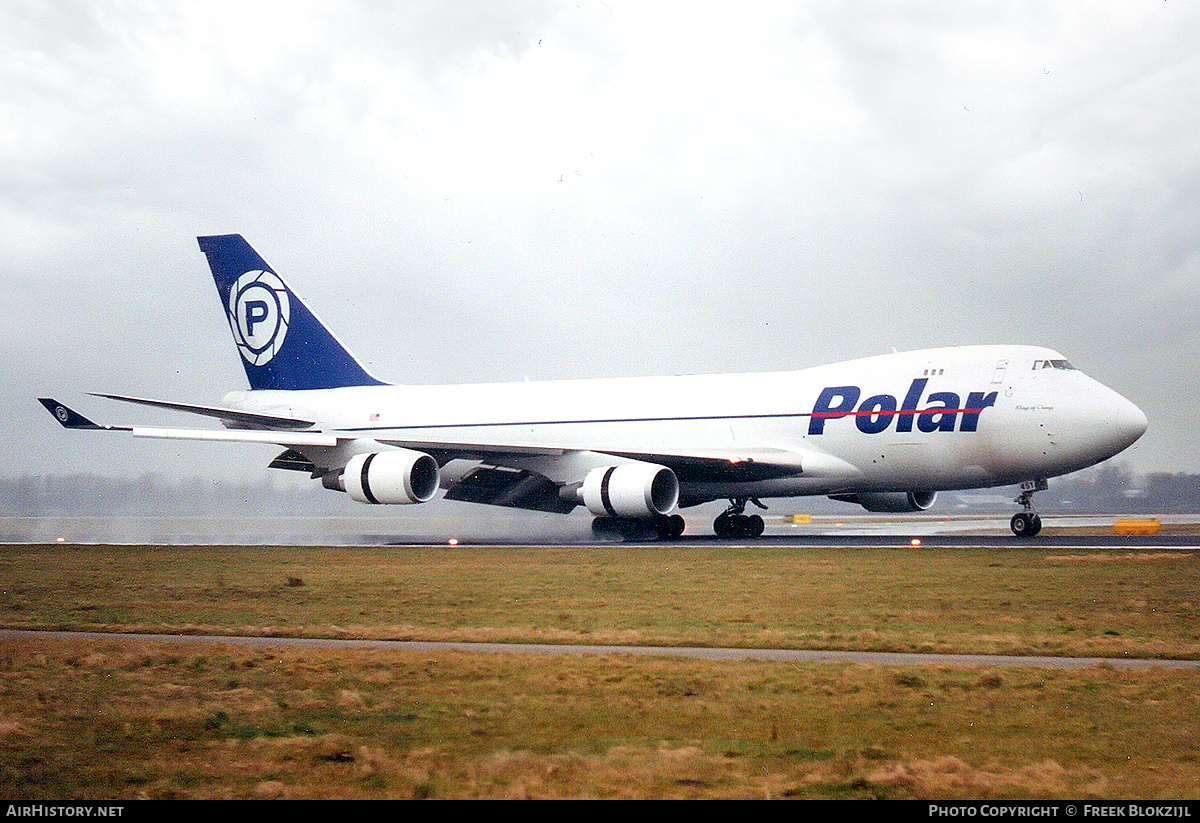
<point>1027,523</point>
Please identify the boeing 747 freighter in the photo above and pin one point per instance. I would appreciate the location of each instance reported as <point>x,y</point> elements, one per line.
<point>887,432</point>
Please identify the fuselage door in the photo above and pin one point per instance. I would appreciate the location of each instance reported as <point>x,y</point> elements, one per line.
<point>998,374</point>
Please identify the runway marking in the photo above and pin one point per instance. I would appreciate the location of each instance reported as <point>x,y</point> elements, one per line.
<point>785,655</point>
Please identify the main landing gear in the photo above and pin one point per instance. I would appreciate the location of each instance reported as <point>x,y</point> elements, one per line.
<point>1027,523</point>
<point>663,527</point>
<point>733,522</point>
<point>730,524</point>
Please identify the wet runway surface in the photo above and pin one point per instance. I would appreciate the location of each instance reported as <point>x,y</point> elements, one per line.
<point>969,531</point>
<point>465,527</point>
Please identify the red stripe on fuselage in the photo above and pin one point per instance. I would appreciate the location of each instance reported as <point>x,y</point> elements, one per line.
<point>876,412</point>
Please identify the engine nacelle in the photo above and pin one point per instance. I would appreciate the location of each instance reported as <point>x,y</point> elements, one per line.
<point>630,490</point>
<point>400,476</point>
<point>891,501</point>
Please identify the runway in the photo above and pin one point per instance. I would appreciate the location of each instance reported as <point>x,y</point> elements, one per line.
<point>1078,532</point>
<point>467,527</point>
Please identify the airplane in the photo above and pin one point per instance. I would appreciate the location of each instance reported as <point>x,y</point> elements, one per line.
<point>886,432</point>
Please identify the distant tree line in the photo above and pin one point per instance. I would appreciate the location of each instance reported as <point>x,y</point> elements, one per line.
<point>1116,489</point>
<point>89,495</point>
<point>1103,489</point>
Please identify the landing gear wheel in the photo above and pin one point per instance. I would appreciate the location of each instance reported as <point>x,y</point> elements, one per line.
<point>754,526</point>
<point>626,528</point>
<point>619,528</point>
<point>670,527</point>
<point>734,524</point>
<point>723,526</point>
<point>1025,524</point>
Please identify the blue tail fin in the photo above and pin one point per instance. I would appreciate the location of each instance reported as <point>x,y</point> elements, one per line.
<point>283,344</point>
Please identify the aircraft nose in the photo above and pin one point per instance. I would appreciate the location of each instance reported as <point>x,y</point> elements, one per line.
<point>1130,423</point>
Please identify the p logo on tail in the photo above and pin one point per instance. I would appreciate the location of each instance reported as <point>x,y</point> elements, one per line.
<point>282,343</point>
<point>259,314</point>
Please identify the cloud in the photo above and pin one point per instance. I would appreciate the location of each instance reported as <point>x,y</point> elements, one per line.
<point>601,188</point>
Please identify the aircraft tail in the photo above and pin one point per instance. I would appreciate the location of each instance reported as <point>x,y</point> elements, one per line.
<point>282,343</point>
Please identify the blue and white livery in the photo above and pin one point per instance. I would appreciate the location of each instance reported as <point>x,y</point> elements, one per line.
<point>885,432</point>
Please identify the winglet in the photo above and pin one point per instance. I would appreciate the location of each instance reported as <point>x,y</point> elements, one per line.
<point>70,418</point>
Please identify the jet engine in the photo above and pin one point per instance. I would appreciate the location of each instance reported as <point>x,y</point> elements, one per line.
<point>890,501</point>
<point>630,490</point>
<point>400,476</point>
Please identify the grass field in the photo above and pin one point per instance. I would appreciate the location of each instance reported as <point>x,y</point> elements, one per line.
<point>1021,601</point>
<point>117,719</point>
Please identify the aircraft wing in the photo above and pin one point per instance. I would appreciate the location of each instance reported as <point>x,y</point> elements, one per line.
<point>727,464</point>
<point>444,450</point>
<point>238,418</point>
<point>712,464</point>
<point>757,463</point>
<point>520,476</point>
<point>71,419</point>
<point>531,479</point>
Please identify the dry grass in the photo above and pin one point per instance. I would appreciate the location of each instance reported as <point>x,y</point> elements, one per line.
<point>123,720</point>
<point>113,719</point>
<point>1009,601</point>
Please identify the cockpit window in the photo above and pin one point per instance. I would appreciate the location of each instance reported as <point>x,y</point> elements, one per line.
<point>1065,365</point>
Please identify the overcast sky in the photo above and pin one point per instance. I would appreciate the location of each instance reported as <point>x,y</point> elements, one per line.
<point>477,191</point>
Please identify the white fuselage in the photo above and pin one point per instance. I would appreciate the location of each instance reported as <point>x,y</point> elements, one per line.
<point>937,419</point>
